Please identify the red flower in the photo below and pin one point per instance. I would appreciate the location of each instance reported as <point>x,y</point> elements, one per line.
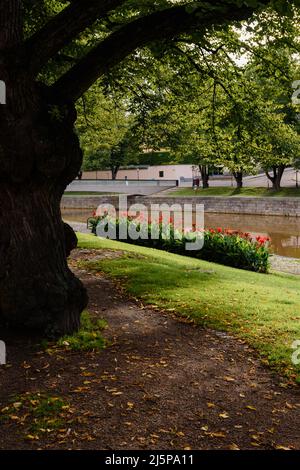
<point>262,240</point>
<point>219,230</point>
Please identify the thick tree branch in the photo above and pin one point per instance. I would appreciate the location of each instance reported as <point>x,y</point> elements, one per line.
<point>10,23</point>
<point>160,25</point>
<point>64,27</point>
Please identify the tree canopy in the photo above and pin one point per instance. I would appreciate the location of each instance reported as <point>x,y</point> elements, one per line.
<point>51,54</point>
<point>83,40</point>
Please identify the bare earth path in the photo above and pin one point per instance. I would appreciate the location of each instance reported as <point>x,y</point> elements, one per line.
<point>161,384</point>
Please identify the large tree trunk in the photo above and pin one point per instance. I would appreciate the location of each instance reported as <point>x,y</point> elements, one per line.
<point>39,156</point>
<point>37,289</point>
<point>238,176</point>
<point>204,176</point>
<point>276,177</point>
<point>114,172</point>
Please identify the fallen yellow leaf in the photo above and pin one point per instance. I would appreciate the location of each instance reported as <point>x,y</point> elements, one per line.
<point>233,447</point>
<point>252,408</point>
<point>228,379</point>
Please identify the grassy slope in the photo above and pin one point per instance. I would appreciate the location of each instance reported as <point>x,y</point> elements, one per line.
<point>263,309</point>
<point>228,192</point>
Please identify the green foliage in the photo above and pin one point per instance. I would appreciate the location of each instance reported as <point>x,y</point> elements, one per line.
<point>106,131</point>
<point>224,101</point>
<point>205,97</point>
<point>230,248</point>
<point>155,158</point>
<point>236,250</point>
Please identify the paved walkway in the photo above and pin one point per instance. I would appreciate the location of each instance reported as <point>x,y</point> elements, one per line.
<point>144,188</point>
<point>79,227</point>
<point>285,264</point>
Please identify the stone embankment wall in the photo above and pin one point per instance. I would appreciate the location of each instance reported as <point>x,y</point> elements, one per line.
<point>231,205</point>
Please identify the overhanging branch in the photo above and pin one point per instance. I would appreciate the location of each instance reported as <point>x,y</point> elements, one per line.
<point>63,28</point>
<point>160,25</point>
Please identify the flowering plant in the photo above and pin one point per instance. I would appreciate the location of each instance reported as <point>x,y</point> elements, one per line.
<point>237,249</point>
<point>229,247</point>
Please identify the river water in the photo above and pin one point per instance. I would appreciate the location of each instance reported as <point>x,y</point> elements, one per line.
<point>283,231</point>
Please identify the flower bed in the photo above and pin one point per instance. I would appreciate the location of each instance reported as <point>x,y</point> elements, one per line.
<point>228,247</point>
<point>236,249</point>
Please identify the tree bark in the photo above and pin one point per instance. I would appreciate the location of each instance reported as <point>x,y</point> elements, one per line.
<point>37,289</point>
<point>204,176</point>
<point>39,156</point>
<point>238,176</point>
<point>114,172</point>
<point>276,177</point>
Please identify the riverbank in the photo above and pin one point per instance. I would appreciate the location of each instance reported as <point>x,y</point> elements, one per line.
<point>227,191</point>
<point>285,265</point>
<point>276,206</point>
<point>278,263</point>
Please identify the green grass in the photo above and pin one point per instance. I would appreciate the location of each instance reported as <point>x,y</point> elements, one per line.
<point>37,414</point>
<point>262,309</point>
<point>229,192</point>
<point>88,338</point>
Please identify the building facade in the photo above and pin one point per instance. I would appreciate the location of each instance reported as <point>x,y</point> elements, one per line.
<point>159,172</point>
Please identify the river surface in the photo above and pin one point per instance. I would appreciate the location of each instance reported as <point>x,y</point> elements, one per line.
<point>283,231</point>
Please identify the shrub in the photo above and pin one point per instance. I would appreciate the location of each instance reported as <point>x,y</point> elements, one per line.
<point>228,247</point>
<point>236,249</point>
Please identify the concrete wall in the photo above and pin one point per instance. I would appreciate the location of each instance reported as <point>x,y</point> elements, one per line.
<point>234,205</point>
<point>170,172</point>
<point>141,187</point>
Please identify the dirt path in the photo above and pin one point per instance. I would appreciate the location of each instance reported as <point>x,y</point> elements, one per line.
<point>161,384</point>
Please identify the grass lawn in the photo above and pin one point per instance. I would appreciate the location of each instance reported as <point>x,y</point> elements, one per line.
<point>228,192</point>
<point>262,309</point>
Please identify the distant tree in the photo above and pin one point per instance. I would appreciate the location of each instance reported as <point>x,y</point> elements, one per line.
<point>278,148</point>
<point>197,146</point>
<point>113,155</point>
<point>107,132</point>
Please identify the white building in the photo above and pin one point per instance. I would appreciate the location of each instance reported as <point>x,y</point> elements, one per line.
<point>144,172</point>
